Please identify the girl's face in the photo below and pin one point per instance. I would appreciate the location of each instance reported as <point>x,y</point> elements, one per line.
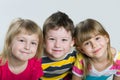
<point>24,46</point>
<point>58,43</point>
<point>96,46</point>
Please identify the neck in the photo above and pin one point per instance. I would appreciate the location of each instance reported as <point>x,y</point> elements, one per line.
<point>100,60</point>
<point>17,66</point>
<point>101,63</point>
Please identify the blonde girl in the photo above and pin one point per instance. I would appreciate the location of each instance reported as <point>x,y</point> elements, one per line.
<point>20,58</point>
<point>96,60</point>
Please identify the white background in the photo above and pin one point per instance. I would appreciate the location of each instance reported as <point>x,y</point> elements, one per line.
<point>107,12</point>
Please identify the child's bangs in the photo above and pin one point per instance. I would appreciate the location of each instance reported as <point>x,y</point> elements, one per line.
<point>28,30</point>
<point>86,35</point>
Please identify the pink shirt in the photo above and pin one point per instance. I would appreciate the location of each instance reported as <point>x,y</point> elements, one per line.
<point>113,69</point>
<point>32,72</point>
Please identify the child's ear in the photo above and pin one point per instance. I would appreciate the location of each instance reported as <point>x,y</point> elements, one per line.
<point>79,48</point>
<point>107,39</point>
<point>72,43</point>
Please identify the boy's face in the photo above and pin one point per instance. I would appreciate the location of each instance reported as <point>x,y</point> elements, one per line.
<point>58,43</point>
<point>24,46</point>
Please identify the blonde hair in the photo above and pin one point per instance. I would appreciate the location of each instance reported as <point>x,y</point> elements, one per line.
<point>16,27</point>
<point>83,32</point>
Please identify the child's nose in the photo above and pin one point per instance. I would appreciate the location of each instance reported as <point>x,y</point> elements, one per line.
<point>94,45</point>
<point>27,46</point>
<point>57,44</point>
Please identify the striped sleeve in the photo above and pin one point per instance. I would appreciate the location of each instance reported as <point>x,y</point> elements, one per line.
<point>78,66</point>
<point>118,64</point>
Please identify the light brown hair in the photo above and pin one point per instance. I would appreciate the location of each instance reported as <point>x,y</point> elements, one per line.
<point>83,32</point>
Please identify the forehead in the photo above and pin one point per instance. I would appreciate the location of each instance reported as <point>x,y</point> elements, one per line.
<point>26,33</point>
<point>58,32</point>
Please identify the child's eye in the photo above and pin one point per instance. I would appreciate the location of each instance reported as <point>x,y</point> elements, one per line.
<point>51,39</point>
<point>64,40</point>
<point>97,38</point>
<point>21,40</point>
<point>34,43</point>
<point>87,43</point>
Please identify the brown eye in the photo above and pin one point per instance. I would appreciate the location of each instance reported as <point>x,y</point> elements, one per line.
<point>34,43</point>
<point>98,38</point>
<point>21,40</point>
<point>51,39</point>
<point>87,43</point>
<point>64,40</point>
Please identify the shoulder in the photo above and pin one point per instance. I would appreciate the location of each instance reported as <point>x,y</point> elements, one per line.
<point>4,69</point>
<point>34,65</point>
<point>79,56</point>
<point>46,59</point>
<point>34,62</point>
<point>117,56</point>
<point>72,52</point>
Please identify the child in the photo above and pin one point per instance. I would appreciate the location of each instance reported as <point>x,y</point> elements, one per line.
<point>20,59</point>
<point>58,31</point>
<point>96,59</point>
